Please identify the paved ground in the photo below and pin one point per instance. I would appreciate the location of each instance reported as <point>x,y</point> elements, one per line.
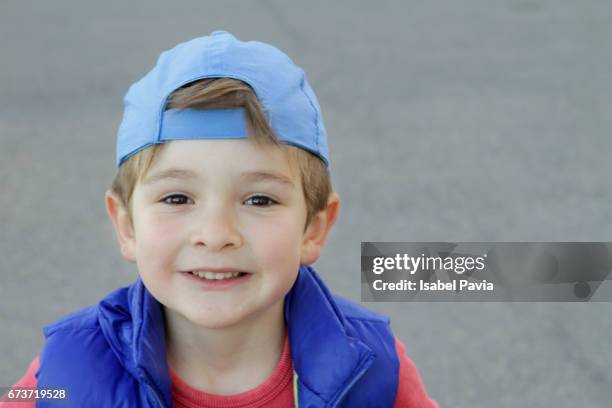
<point>448,121</point>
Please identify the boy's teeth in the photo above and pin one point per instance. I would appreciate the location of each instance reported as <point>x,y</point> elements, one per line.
<point>218,276</point>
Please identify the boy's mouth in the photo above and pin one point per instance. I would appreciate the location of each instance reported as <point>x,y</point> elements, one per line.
<point>217,275</point>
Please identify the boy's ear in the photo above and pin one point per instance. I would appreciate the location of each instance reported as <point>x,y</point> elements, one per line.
<point>317,230</point>
<point>123,225</point>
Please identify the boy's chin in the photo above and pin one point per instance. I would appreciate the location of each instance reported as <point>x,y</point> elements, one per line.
<point>230,318</point>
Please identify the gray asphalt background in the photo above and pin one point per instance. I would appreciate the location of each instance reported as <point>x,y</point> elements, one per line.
<point>448,121</point>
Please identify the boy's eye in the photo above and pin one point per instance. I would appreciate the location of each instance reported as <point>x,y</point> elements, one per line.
<point>260,201</point>
<point>175,199</point>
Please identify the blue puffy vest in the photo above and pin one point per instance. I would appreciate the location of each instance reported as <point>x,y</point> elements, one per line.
<point>113,354</point>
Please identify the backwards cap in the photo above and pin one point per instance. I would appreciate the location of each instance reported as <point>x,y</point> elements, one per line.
<point>289,102</point>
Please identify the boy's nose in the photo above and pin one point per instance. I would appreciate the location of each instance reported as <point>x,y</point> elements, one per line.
<point>217,230</point>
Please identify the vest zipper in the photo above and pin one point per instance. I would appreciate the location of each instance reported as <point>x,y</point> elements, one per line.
<point>295,390</point>
<point>366,365</point>
<point>159,403</point>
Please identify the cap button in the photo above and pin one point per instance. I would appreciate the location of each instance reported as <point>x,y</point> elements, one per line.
<point>219,32</point>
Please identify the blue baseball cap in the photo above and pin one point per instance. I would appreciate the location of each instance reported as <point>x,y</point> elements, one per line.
<point>289,102</point>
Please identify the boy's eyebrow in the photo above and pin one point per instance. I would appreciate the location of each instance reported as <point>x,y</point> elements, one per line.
<point>183,174</point>
<point>256,176</point>
<point>179,174</point>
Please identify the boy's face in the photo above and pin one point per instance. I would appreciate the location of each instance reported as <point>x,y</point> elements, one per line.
<point>210,205</point>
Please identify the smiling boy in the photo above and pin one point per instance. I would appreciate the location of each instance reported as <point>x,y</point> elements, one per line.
<point>223,199</point>
<point>219,241</point>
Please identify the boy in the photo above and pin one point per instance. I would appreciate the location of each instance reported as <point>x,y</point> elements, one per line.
<point>223,199</point>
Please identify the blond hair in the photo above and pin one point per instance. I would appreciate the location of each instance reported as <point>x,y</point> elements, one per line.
<point>228,93</point>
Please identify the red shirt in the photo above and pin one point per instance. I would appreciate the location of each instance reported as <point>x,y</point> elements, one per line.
<point>275,392</point>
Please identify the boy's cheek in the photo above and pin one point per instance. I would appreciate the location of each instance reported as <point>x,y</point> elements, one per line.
<point>280,249</point>
<point>155,238</point>
<point>279,232</point>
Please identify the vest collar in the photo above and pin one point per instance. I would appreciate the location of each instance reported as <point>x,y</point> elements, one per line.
<point>133,325</point>
<point>326,358</point>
